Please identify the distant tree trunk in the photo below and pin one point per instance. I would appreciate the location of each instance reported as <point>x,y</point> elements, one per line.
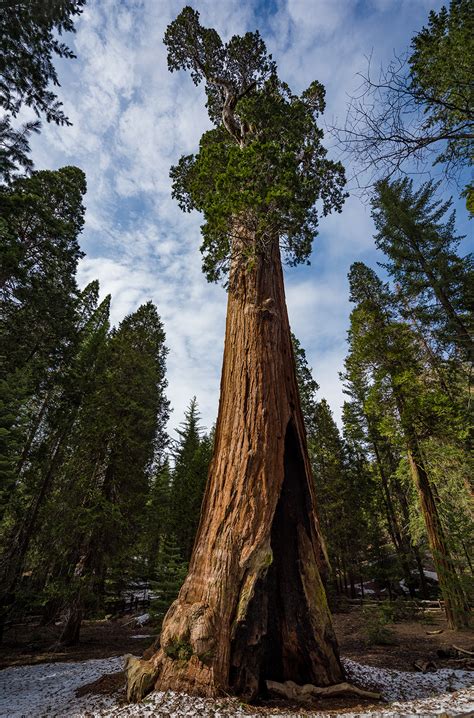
<point>253,606</point>
<point>72,627</point>
<point>455,603</point>
<point>12,561</point>
<point>399,541</point>
<point>75,608</point>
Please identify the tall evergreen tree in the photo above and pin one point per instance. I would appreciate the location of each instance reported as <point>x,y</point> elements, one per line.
<point>257,178</point>
<point>388,346</point>
<point>307,386</point>
<point>422,259</point>
<point>41,218</point>
<point>51,416</point>
<point>30,35</point>
<point>107,474</point>
<point>192,456</point>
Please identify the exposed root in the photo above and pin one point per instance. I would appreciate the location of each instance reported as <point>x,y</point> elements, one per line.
<point>302,694</point>
<point>141,677</point>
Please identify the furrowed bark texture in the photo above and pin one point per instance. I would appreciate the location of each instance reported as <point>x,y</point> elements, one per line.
<point>253,607</point>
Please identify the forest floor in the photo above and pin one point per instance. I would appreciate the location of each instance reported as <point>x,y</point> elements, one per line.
<point>40,680</point>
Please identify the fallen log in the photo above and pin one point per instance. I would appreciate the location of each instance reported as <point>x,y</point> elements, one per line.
<point>302,694</point>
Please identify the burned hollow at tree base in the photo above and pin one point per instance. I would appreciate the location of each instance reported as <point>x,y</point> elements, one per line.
<point>274,642</point>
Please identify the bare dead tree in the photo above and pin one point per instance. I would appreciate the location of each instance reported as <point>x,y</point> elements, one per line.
<point>393,127</point>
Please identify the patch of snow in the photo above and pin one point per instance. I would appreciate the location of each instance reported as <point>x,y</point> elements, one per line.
<point>48,690</point>
<point>403,685</point>
<point>143,635</point>
<point>403,586</point>
<point>141,620</point>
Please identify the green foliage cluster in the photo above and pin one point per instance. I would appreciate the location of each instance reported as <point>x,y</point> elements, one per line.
<point>30,35</point>
<point>260,172</point>
<point>377,626</point>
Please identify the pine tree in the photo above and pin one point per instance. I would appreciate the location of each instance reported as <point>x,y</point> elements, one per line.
<point>31,37</point>
<point>42,217</point>
<point>363,415</point>
<point>189,475</point>
<point>170,573</point>
<point>51,419</point>
<point>158,515</point>
<point>421,258</point>
<point>113,451</point>
<point>389,347</point>
<point>307,386</point>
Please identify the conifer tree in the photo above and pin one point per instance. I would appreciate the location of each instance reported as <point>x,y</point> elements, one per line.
<point>113,450</point>
<point>51,418</point>
<point>258,558</point>
<point>421,257</point>
<point>388,346</point>
<point>307,386</point>
<point>192,456</point>
<point>30,38</point>
<point>158,515</point>
<point>363,416</point>
<point>170,573</point>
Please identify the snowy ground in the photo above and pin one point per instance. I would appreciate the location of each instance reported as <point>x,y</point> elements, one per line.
<point>49,690</point>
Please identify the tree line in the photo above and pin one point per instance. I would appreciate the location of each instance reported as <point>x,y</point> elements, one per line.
<point>88,499</point>
<point>95,496</point>
<point>394,489</point>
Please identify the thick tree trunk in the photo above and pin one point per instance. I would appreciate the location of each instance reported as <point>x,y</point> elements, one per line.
<point>455,603</point>
<point>253,606</point>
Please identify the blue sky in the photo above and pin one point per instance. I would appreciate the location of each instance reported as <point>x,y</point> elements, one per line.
<point>132,120</point>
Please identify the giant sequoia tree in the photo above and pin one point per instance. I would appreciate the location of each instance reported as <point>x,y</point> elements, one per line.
<point>253,606</point>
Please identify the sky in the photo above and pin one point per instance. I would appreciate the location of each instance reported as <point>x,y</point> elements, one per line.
<point>132,120</point>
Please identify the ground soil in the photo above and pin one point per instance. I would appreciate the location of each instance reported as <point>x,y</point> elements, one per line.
<point>26,644</point>
<point>413,641</point>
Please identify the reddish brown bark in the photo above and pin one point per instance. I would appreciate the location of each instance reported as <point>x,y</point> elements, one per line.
<point>253,606</point>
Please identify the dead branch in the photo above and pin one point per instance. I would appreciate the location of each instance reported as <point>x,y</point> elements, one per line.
<point>463,650</point>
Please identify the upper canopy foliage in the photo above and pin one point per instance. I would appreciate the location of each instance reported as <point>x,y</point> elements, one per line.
<point>30,40</point>
<point>262,168</point>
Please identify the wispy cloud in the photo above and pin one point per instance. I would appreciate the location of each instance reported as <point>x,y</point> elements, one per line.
<point>133,119</point>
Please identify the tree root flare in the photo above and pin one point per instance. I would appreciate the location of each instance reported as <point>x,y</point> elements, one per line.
<point>141,677</point>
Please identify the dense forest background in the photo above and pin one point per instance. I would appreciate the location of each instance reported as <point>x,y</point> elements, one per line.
<point>98,503</point>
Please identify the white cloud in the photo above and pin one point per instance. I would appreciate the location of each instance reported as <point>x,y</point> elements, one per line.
<point>132,120</point>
